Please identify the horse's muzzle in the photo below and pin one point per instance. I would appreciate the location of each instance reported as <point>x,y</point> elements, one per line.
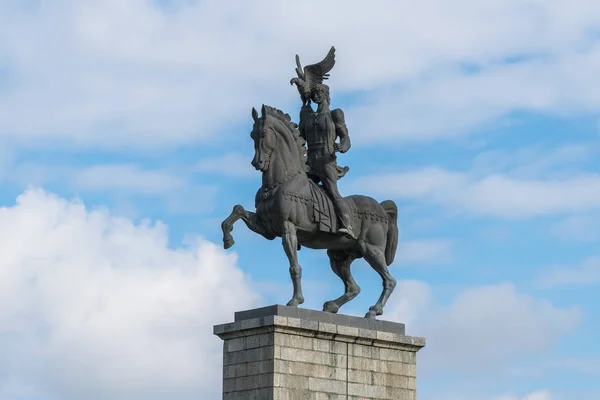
<point>259,165</point>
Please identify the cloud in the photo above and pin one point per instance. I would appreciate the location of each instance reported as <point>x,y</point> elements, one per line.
<point>426,182</point>
<point>582,365</point>
<point>468,394</point>
<point>170,73</point>
<point>539,395</point>
<point>129,178</point>
<point>126,177</point>
<point>530,182</point>
<point>97,307</point>
<point>454,103</point>
<point>180,193</point>
<point>495,195</point>
<point>482,329</point>
<point>229,164</point>
<point>6,160</point>
<point>586,274</point>
<point>535,162</point>
<point>583,228</point>
<point>414,298</point>
<point>428,252</point>
<point>124,183</point>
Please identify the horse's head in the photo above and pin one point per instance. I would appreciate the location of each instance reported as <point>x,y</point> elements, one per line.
<point>276,138</point>
<point>265,139</point>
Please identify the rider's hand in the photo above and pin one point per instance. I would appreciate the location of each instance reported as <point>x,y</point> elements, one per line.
<point>339,148</point>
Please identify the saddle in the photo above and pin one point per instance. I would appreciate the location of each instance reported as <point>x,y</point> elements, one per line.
<point>323,211</point>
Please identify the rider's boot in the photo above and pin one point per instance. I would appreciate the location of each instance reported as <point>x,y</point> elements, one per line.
<point>345,217</point>
<point>348,231</point>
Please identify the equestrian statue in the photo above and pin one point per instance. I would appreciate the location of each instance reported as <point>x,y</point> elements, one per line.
<point>299,199</point>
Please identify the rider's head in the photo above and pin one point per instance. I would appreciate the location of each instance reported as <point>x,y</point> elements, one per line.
<point>320,93</point>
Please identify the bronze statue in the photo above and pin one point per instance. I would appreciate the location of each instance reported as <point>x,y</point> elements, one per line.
<point>291,203</point>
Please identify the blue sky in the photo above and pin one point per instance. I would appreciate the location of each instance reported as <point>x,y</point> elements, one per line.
<point>124,130</point>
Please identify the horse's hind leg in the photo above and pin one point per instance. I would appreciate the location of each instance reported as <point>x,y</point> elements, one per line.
<point>290,245</point>
<point>340,264</point>
<point>376,259</point>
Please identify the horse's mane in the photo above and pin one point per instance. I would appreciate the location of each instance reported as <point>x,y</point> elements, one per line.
<point>292,126</point>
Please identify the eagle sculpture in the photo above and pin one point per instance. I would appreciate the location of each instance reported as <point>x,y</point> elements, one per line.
<point>312,75</point>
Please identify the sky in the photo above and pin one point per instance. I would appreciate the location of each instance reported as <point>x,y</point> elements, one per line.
<point>124,142</point>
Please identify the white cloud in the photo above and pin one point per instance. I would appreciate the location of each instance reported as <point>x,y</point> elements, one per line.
<point>466,392</point>
<point>483,329</point>
<point>452,104</point>
<point>536,162</point>
<point>123,183</point>
<point>473,390</point>
<point>414,297</point>
<point>180,193</point>
<point>588,273</point>
<point>504,196</point>
<point>495,195</point>
<point>528,183</point>
<point>127,177</point>
<point>97,307</point>
<point>538,395</point>
<point>6,160</point>
<point>111,72</point>
<point>229,164</point>
<point>417,184</point>
<point>581,365</point>
<point>428,252</point>
<point>583,227</point>
<point>130,178</point>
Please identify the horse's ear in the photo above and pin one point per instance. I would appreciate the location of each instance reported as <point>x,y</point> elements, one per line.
<point>254,114</point>
<point>263,110</point>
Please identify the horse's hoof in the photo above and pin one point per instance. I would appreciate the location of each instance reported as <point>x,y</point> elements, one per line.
<point>330,307</point>
<point>227,243</point>
<point>371,314</point>
<point>295,302</point>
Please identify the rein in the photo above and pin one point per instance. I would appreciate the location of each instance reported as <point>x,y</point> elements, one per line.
<point>267,191</point>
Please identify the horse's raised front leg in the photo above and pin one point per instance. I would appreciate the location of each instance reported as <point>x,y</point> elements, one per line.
<point>290,245</point>
<point>250,219</point>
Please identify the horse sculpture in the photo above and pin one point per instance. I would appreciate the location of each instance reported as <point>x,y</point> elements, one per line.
<point>292,206</point>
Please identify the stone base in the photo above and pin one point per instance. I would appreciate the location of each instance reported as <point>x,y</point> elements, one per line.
<point>286,353</point>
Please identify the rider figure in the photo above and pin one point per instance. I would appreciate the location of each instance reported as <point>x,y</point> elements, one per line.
<point>320,129</point>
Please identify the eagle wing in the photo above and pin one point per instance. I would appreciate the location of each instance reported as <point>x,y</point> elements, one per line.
<point>299,70</point>
<point>316,73</point>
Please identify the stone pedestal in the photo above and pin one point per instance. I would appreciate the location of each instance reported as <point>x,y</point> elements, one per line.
<point>285,353</point>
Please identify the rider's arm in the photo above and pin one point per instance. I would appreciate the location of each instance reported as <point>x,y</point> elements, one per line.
<point>341,130</point>
<point>304,111</point>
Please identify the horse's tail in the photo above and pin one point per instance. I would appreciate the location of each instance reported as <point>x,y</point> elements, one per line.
<point>392,234</point>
